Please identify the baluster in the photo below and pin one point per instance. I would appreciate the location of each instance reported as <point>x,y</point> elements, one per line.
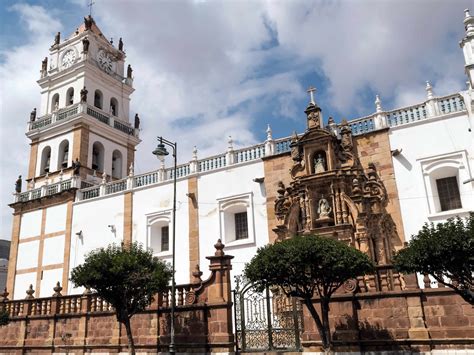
<point>426,281</point>
<point>165,298</point>
<point>180,296</point>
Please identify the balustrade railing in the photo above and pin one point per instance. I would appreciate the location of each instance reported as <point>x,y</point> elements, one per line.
<point>116,186</point>
<point>252,153</point>
<point>146,179</point>
<point>212,163</point>
<point>452,103</point>
<point>406,115</point>
<point>282,145</point>
<point>73,110</point>
<point>362,125</point>
<point>90,192</point>
<point>45,190</point>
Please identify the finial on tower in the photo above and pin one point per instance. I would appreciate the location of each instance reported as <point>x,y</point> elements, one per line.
<point>466,13</point>
<point>378,104</point>
<point>195,153</point>
<point>311,90</point>
<point>230,144</point>
<point>90,7</point>
<point>269,133</point>
<point>429,90</point>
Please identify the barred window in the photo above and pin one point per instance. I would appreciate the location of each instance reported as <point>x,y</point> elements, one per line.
<point>448,192</point>
<point>241,226</point>
<point>165,238</point>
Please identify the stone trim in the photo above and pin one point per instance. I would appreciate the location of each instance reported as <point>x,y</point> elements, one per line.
<point>33,159</point>
<point>40,252</point>
<point>67,247</point>
<point>193,217</point>
<point>127,217</point>
<point>39,269</point>
<point>45,236</point>
<point>13,252</point>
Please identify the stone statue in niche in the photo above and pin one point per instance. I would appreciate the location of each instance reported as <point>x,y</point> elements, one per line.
<point>319,164</point>
<point>324,209</point>
<point>129,72</point>
<point>85,45</point>
<point>33,115</point>
<point>18,185</point>
<point>57,39</point>
<point>295,149</point>
<point>44,66</point>
<point>76,165</point>
<point>88,22</point>
<point>314,117</point>
<point>137,122</point>
<point>84,94</point>
<point>120,46</point>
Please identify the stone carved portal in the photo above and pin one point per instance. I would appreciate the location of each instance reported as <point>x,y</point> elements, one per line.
<point>332,194</point>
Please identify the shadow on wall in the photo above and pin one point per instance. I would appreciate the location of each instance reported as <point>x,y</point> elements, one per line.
<point>368,337</point>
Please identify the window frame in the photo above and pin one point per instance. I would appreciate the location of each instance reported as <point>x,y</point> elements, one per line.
<point>228,207</point>
<point>159,219</point>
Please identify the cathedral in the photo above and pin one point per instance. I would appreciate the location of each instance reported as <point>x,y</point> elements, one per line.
<point>371,182</point>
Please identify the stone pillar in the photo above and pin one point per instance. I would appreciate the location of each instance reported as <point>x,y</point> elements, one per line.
<point>269,143</point>
<point>417,328</point>
<point>219,299</point>
<point>193,164</point>
<point>431,104</point>
<point>230,156</point>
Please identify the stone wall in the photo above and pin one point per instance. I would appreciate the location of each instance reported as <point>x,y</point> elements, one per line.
<point>86,323</point>
<point>405,318</point>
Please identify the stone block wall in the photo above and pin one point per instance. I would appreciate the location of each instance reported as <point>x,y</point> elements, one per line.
<point>86,323</point>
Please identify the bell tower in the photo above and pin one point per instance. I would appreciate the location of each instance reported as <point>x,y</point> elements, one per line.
<point>83,121</point>
<point>467,45</point>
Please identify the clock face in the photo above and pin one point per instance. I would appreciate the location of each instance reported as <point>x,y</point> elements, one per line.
<point>69,58</point>
<point>105,61</point>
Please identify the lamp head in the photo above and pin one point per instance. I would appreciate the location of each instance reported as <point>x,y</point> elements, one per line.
<point>160,150</point>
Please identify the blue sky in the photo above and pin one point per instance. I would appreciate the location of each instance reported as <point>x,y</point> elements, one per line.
<point>205,70</point>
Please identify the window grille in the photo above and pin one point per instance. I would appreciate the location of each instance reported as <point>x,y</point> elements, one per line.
<point>241,226</point>
<point>448,192</point>
<point>165,238</point>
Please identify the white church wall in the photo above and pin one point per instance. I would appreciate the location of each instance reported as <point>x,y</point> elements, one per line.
<point>61,87</point>
<point>48,281</point>
<point>53,251</point>
<point>30,224</point>
<point>27,255</point>
<point>154,204</point>
<point>217,191</point>
<point>55,219</point>
<point>95,224</point>
<point>431,149</point>
<point>22,283</point>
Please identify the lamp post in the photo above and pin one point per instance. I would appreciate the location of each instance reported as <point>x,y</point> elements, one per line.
<point>161,151</point>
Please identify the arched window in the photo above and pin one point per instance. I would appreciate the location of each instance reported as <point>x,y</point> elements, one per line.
<point>114,106</point>
<point>98,156</point>
<point>55,103</point>
<point>45,160</point>
<point>98,99</point>
<point>117,164</point>
<point>70,97</point>
<point>236,215</point>
<point>63,154</point>
<point>159,234</point>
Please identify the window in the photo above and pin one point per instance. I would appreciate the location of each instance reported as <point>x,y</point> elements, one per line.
<point>236,219</point>
<point>165,238</point>
<point>98,157</point>
<point>45,160</point>
<point>241,226</point>
<point>448,192</point>
<point>55,103</point>
<point>158,239</point>
<point>70,97</point>
<point>114,106</point>
<point>442,175</point>
<point>98,99</point>
<point>117,164</point>
<point>63,154</point>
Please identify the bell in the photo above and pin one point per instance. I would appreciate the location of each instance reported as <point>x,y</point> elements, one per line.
<point>65,157</point>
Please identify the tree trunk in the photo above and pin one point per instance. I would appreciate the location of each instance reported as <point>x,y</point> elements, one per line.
<point>131,344</point>
<point>319,324</point>
<point>326,329</point>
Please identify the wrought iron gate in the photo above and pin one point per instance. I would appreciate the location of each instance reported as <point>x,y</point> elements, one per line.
<point>265,320</point>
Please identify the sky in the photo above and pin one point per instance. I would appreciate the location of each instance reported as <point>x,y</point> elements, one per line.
<point>204,70</point>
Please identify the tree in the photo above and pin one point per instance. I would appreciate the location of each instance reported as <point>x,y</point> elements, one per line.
<point>303,266</point>
<point>446,252</point>
<point>125,276</point>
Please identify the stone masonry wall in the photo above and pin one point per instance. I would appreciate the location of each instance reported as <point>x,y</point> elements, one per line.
<point>86,323</point>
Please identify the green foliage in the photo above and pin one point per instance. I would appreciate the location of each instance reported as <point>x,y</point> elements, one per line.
<point>4,317</point>
<point>445,251</point>
<point>126,277</point>
<point>303,265</point>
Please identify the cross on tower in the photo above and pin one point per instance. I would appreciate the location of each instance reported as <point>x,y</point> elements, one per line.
<point>90,7</point>
<point>311,91</point>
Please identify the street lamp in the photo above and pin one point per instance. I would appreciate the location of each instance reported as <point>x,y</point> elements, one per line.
<point>161,151</point>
